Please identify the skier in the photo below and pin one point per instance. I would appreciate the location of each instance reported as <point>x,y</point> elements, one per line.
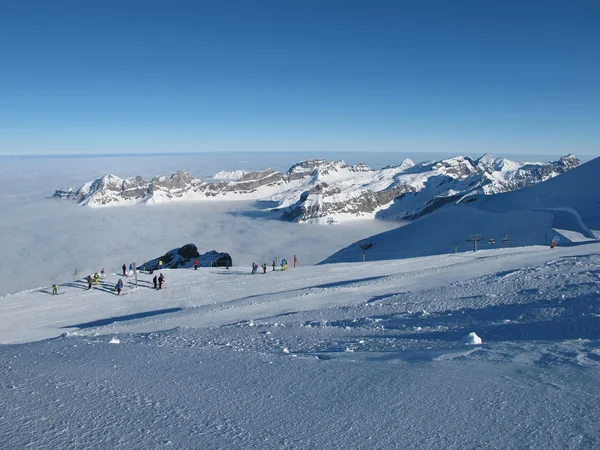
<point>96,278</point>
<point>119,286</point>
<point>155,281</point>
<point>89,280</point>
<point>273,265</point>
<point>102,273</point>
<point>253,267</point>
<point>295,261</point>
<point>264,267</point>
<point>54,289</point>
<point>282,263</point>
<point>131,269</point>
<point>161,280</point>
<point>195,264</point>
<point>124,270</point>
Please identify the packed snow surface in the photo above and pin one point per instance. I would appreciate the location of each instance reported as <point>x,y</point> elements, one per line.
<point>349,355</point>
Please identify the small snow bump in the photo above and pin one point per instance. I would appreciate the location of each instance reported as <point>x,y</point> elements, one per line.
<point>473,339</point>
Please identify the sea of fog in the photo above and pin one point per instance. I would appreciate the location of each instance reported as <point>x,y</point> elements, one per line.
<point>43,240</point>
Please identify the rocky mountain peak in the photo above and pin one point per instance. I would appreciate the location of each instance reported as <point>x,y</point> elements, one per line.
<point>567,162</point>
<point>306,166</point>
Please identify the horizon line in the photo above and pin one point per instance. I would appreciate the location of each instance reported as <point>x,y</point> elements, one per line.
<point>109,155</point>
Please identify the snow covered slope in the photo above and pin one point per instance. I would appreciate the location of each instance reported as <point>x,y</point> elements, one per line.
<point>321,191</point>
<point>567,206</point>
<point>230,175</point>
<point>578,190</point>
<point>373,355</point>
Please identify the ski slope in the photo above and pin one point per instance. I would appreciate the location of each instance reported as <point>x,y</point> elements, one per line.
<point>358,355</point>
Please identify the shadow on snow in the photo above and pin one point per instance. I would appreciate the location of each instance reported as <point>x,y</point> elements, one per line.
<point>108,321</point>
<point>549,320</point>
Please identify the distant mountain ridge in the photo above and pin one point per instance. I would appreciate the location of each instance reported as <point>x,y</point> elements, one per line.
<point>322,191</point>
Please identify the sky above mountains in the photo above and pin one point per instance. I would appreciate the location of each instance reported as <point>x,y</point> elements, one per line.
<point>139,77</point>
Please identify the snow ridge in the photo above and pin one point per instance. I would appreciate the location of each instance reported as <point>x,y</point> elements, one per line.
<point>230,175</point>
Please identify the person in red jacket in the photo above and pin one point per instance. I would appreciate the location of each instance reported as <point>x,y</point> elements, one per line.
<point>195,264</point>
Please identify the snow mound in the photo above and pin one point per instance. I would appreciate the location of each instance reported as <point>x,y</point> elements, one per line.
<point>473,339</point>
<point>114,341</point>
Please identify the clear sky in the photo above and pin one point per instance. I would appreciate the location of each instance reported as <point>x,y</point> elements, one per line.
<point>456,76</point>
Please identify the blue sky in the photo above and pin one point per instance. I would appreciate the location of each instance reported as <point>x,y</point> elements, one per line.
<point>172,76</point>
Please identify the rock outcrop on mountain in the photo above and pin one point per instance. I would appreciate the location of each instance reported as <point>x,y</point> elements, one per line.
<point>321,191</point>
<point>184,257</point>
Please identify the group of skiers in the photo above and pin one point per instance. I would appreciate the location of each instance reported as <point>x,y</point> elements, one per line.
<point>158,281</point>
<point>94,279</point>
<point>124,267</point>
<point>284,265</point>
<point>256,266</point>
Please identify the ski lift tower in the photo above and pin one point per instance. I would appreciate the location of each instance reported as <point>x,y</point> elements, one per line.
<point>365,247</point>
<point>475,238</point>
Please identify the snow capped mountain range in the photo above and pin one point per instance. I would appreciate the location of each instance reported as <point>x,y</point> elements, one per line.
<point>322,191</point>
<point>567,207</point>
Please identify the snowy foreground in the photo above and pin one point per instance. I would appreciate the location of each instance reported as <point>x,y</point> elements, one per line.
<point>363,355</point>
